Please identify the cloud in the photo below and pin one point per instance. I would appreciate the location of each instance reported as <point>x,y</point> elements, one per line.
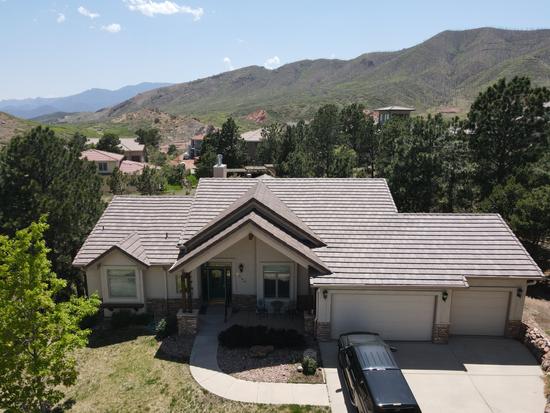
<point>112,28</point>
<point>85,12</point>
<point>272,62</point>
<point>60,18</point>
<point>150,8</point>
<point>228,63</point>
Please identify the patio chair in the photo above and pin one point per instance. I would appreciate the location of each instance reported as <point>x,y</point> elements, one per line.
<point>277,307</point>
<point>261,311</point>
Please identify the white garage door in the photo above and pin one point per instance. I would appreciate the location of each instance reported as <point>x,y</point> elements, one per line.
<point>394,317</point>
<point>479,312</point>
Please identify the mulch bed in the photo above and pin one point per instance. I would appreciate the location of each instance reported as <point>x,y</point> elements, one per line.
<point>277,367</point>
<point>176,348</point>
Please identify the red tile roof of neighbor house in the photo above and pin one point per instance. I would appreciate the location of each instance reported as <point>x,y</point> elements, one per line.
<point>366,241</point>
<point>133,167</point>
<point>95,155</point>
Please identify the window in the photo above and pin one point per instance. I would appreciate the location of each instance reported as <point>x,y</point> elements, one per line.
<point>277,281</point>
<point>122,283</point>
<point>102,166</point>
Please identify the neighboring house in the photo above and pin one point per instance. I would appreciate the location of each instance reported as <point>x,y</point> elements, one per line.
<point>195,146</point>
<point>133,151</point>
<point>388,112</point>
<point>334,248</point>
<point>252,140</point>
<point>106,161</point>
<point>188,163</point>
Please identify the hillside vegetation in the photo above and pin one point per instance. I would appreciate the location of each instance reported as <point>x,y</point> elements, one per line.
<point>447,70</point>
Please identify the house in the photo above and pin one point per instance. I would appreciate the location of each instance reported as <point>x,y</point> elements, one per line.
<point>195,145</point>
<point>386,113</point>
<point>252,139</point>
<point>337,250</point>
<point>133,151</point>
<point>106,161</point>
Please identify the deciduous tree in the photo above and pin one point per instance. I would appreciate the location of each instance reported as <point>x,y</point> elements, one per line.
<point>37,333</point>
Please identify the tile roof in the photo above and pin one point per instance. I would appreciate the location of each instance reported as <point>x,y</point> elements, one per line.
<point>420,249</point>
<point>156,219</point>
<point>252,136</point>
<point>261,199</point>
<point>95,155</point>
<point>133,167</point>
<point>367,242</point>
<point>396,108</point>
<point>126,144</point>
<point>269,229</point>
<point>310,199</point>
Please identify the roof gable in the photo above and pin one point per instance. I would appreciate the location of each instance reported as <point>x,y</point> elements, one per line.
<point>260,199</point>
<point>268,230</point>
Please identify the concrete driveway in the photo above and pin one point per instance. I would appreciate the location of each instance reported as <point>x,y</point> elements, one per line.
<point>470,374</point>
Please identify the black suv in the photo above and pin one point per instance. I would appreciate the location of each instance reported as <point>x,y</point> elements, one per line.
<point>374,380</point>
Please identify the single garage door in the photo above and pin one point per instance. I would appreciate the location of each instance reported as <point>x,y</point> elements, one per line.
<point>394,317</point>
<point>479,312</point>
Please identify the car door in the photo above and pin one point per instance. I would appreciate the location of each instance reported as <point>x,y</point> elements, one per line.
<point>362,397</point>
<point>347,370</point>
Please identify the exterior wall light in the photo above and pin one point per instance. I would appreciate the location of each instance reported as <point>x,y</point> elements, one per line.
<point>241,267</point>
<point>519,292</point>
<point>325,294</point>
<point>445,295</point>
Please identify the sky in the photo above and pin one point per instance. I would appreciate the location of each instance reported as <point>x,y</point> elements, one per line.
<point>58,48</point>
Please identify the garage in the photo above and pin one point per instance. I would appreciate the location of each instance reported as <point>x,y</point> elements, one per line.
<point>393,316</point>
<point>478,312</point>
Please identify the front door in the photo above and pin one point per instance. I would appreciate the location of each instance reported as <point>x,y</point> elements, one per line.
<point>218,280</point>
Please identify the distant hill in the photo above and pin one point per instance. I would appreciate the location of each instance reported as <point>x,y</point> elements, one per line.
<point>88,101</point>
<point>449,69</point>
<point>11,126</point>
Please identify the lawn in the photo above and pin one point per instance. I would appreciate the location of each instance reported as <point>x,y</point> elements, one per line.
<point>122,372</point>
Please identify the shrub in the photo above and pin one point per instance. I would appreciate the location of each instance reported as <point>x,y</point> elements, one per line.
<point>121,319</point>
<point>90,321</point>
<point>166,327</point>
<point>241,336</point>
<point>309,365</point>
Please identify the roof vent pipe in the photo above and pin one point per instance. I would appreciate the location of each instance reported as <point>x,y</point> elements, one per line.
<point>220,170</point>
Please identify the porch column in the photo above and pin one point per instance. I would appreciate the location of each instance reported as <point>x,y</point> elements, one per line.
<point>186,292</point>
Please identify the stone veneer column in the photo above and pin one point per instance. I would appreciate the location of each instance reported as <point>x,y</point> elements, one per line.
<point>322,331</point>
<point>440,333</point>
<point>187,323</point>
<point>513,329</point>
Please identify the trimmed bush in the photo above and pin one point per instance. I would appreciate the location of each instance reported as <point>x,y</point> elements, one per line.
<point>166,327</point>
<point>309,365</point>
<point>247,336</point>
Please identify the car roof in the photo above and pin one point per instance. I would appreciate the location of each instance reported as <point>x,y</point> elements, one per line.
<point>371,351</point>
<point>389,387</point>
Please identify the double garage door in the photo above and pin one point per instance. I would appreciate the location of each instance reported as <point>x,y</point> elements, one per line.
<point>394,317</point>
<point>411,316</point>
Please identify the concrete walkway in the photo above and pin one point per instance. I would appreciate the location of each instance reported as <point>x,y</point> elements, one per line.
<point>205,370</point>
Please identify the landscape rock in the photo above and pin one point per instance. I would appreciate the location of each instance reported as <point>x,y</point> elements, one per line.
<point>260,351</point>
<point>299,368</point>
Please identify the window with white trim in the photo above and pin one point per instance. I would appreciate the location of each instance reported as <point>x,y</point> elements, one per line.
<point>277,281</point>
<point>122,283</point>
<point>102,166</point>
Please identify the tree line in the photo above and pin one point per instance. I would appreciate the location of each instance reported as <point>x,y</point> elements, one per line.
<point>496,159</point>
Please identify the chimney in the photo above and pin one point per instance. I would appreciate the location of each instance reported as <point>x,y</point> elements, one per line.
<point>220,170</point>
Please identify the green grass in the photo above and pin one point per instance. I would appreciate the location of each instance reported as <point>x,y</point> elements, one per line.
<point>121,373</point>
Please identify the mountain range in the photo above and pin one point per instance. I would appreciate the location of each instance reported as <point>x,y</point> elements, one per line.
<point>449,69</point>
<point>87,101</point>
